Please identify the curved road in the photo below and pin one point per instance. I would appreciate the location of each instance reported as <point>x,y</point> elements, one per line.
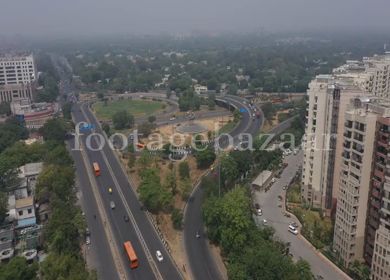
<point>202,264</point>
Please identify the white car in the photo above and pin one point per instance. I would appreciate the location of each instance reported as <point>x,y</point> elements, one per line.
<point>172,119</point>
<point>264,222</point>
<point>112,204</point>
<point>159,256</point>
<point>87,240</point>
<point>259,212</point>
<point>292,230</point>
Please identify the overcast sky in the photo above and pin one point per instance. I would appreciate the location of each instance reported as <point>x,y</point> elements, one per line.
<point>41,17</point>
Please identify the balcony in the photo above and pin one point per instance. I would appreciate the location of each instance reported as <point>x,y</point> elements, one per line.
<point>358,149</point>
<point>346,155</point>
<point>348,124</point>
<point>369,250</point>
<point>376,204</point>
<point>383,143</point>
<point>315,107</point>
<point>376,194</point>
<point>361,127</point>
<point>371,231</point>
<point>381,153</point>
<point>374,213</point>
<point>379,174</point>
<point>377,183</point>
<point>359,138</point>
<point>357,159</point>
<point>348,134</point>
<point>373,223</point>
<point>347,145</point>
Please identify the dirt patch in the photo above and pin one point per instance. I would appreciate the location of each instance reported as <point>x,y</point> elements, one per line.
<point>267,126</point>
<point>183,140</point>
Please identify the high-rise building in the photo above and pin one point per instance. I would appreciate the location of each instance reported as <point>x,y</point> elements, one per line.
<point>18,78</point>
<point>355,168</point>
<point>328,99</point>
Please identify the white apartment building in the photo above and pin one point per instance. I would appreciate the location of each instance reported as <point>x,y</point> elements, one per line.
<point>328,99</point>
<point>18,77</point>
<point>354,167</point>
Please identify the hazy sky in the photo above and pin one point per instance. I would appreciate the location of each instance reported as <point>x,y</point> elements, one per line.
<point>40,17</point>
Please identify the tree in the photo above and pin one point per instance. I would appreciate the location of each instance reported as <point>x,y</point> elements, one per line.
<point>151,119</point>
<point>149,189</point>
<point>232,90</point>
<point>177,218</point>
<point>3,205</point>
<point>131,162</point>
<point>244,160</point>
<point>205,158</point>
<point>5,108</point>
<point>195,103</point>
<point>55,129</point>
<point>252,90</point>
<point>184,170</point>
<point>163,107</point>
<point>106,128</point>
<point>218,89</point>
<point>170,182</point>
<point>212,83</point>
<point>145,128</point>
<point>121,119</point>
<point>209,134</point>
<point>100,94</point>
<point>65,96</point>
<point>186,188</point>
<point>184,105</point>
<point>167,200</point>
<point>168,93</point>
<point>211,104</point>
<point>171,166</point>
<point>145,160</point>
<point>19,269</point>
<point>243,84</point>
<point>236,115</point>
<point>229,168</point>
<point>130,148</point>
<point>59,156</point>
<point>66,110</point>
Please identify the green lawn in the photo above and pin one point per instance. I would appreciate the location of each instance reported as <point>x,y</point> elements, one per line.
<point>134,107</point>
<point>227,127</point>
<point>293,194</point>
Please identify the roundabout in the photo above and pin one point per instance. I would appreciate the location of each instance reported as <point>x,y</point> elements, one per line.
<point>191,128</point>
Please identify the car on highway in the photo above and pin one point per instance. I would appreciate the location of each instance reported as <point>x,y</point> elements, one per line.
<point>159,256</point>
<point>112,204</point>
<point>292,230</point>
<point>197,234</point>
<point>87,240</point>
<point>110,190</point>
<point>172,119</point>
<point>126,218</point>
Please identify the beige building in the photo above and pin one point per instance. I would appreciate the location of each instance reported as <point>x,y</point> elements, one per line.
<point>18,78</point>
<point>355,168</point>
<point>328,99</point>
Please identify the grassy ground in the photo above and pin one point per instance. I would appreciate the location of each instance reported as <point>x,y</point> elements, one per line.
<point>227,127</point>
<point>293,194</point>
<point>134,107</point>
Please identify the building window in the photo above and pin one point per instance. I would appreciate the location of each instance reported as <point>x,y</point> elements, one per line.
<point>29,211</point>
<point>20,213</point>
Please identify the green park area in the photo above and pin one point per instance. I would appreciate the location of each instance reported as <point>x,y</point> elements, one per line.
<point>105,110</point>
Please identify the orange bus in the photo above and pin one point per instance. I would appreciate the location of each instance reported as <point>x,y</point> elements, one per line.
<point>131,254</point>
<point>96,169</point>
<point>140,146</point>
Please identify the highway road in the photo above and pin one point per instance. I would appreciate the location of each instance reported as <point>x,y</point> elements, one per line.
<point>200,259</point>
<point>273,214</point>
<point>126,203</point>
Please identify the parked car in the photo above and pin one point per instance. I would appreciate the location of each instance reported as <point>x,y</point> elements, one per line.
<point>87,232</point>
<point>87,240</point>
<point>292,230</point>
<point>294,224</point>
<point>264,222</point>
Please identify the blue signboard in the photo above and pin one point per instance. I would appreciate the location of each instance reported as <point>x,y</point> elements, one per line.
<point>20,117</point>
<point>227,102</point>
<point>242,110</point>
<point>87,127</point>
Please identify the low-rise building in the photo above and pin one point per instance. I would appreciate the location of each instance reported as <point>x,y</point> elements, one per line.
<point>25,212</point>
<point>28,110</point>
<point>199,88</point>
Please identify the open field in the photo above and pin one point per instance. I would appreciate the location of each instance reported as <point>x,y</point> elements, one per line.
<point>134,107</point>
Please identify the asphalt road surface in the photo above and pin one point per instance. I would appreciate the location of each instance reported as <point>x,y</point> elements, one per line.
<point>199,256</point>
<point>122,231</point>
<point>273,214</point>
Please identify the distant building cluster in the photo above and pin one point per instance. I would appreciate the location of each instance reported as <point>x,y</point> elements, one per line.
<point>346,167</point>
<point>22,230</point>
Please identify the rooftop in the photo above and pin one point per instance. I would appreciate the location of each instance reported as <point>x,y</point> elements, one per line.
<point>31,169</point>
<point>24,202</point>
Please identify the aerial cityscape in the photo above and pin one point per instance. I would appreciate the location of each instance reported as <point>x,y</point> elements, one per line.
<point>162,140</point>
